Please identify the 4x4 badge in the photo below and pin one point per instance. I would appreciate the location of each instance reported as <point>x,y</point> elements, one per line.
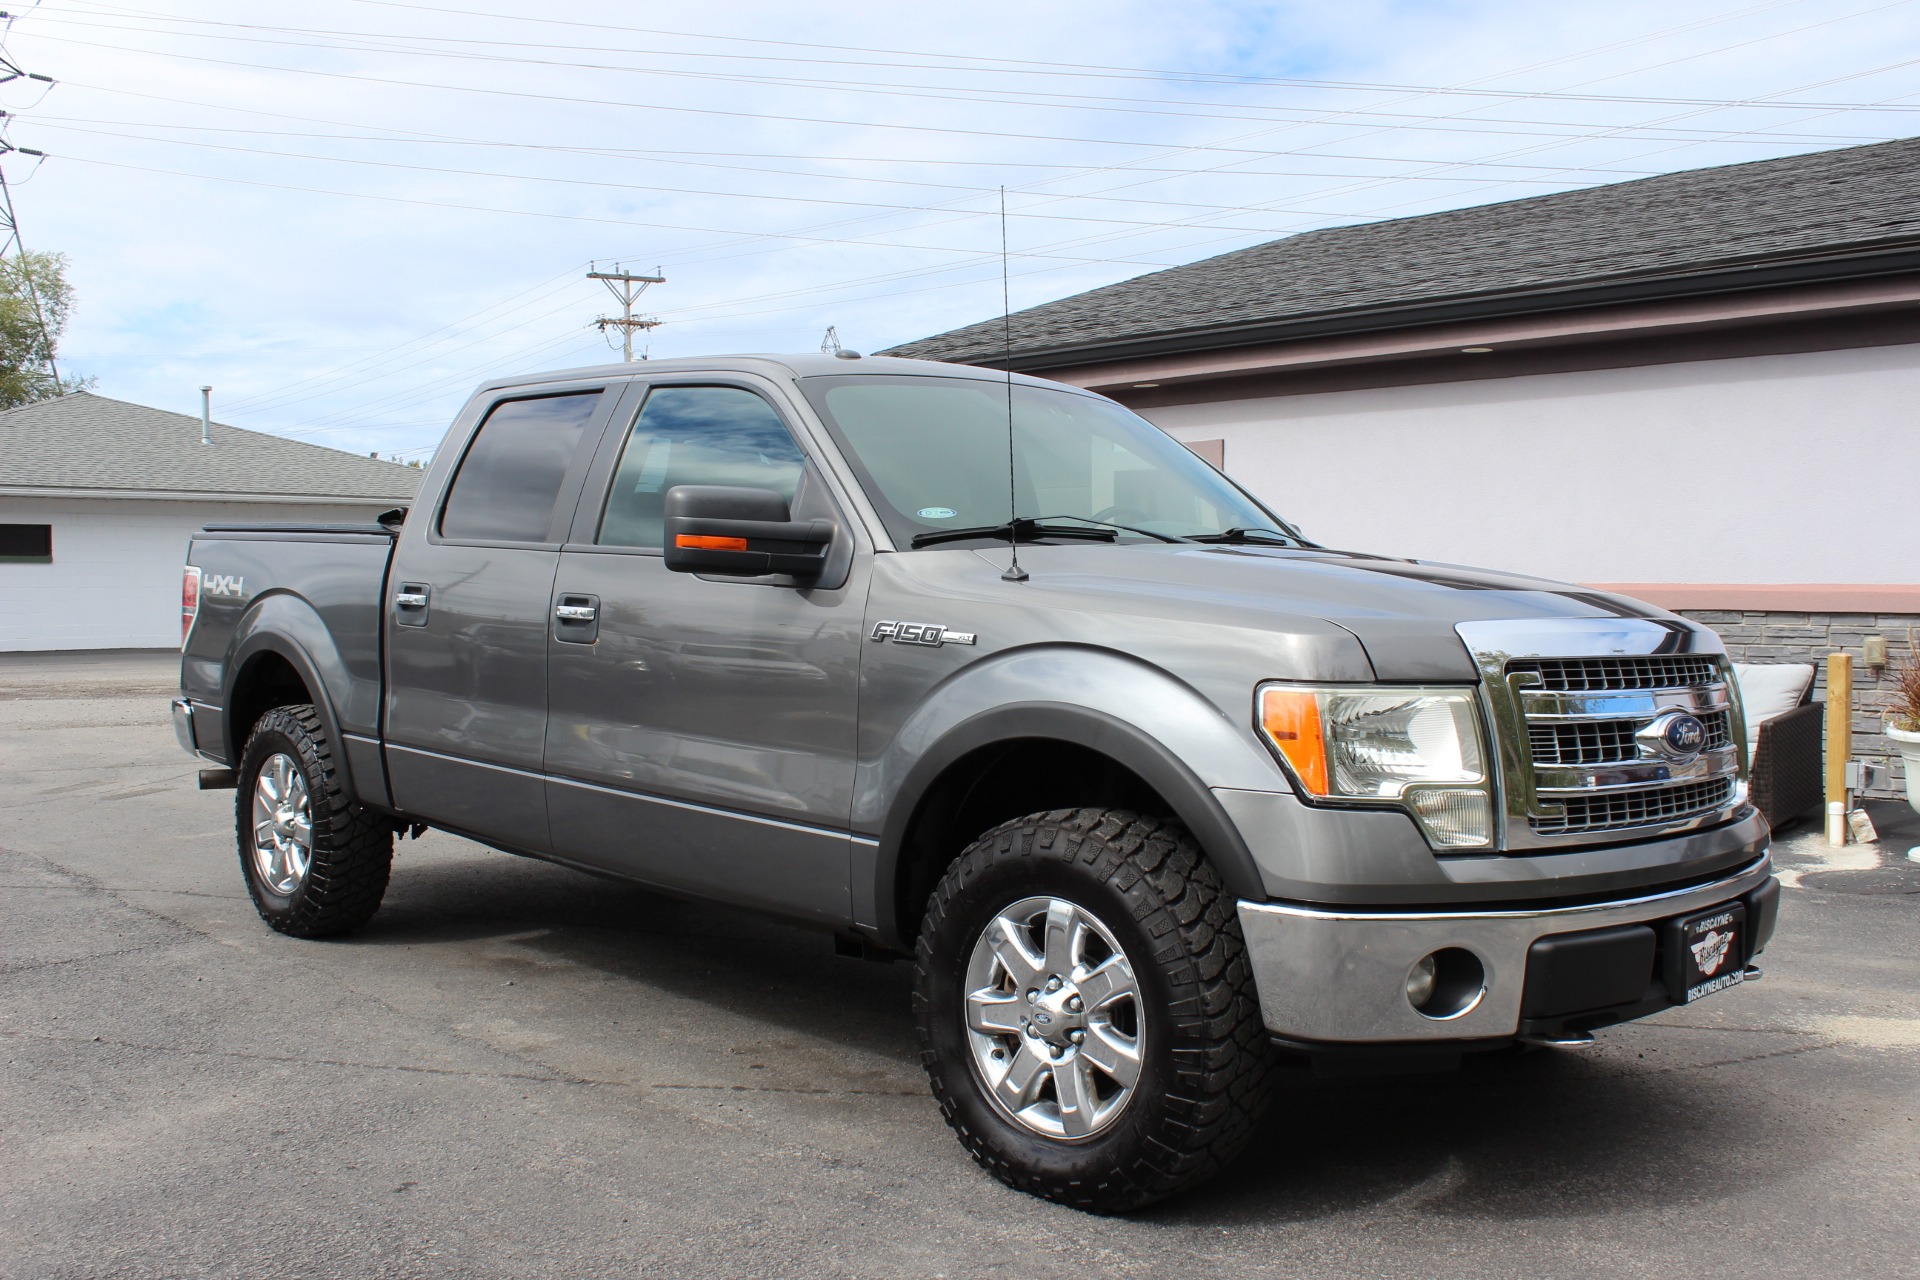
<point>931,634</point>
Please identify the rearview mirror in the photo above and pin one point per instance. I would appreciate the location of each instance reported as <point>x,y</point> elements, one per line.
<point>741,532</point>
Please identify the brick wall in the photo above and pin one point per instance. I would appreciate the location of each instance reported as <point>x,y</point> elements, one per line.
<point>1810,637</point>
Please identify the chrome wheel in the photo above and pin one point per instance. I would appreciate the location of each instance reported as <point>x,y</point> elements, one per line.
<point>282,826</point>
<point>1054,1018</point>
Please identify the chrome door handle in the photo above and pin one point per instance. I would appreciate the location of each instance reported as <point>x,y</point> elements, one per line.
<point>411,599</point>
<point>575,612</point>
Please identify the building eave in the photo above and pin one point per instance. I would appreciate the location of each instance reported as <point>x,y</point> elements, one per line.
<point>1843,264</point>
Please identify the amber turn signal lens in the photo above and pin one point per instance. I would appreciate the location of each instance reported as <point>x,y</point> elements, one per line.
<point>1291,717</point>
<point>704,542</point>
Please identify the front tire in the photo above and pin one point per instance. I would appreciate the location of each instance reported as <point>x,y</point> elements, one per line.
<point>1086,1012</point>
<point>316,863</point>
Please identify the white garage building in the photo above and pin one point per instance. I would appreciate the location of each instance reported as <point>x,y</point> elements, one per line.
<point>98,498</point>
<point>1699,389</point>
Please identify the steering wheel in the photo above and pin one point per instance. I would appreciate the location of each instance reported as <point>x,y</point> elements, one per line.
<point>1123,513</point>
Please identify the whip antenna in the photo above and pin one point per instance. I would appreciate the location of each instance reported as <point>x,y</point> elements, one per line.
<point>1014,572</point>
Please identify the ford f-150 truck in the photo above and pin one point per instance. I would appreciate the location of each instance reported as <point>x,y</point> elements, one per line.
<point>991,672</point>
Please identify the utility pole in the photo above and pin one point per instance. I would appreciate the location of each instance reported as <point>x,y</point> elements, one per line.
<point>626,288</point>
<point>9,224</point>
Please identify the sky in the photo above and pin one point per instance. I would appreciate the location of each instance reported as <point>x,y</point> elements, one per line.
<point>344,214</point>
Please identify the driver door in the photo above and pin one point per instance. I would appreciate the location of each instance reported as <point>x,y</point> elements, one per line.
<point>701,730</point>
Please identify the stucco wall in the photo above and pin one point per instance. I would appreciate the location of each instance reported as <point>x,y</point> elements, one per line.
<point>1767,469</point>
<point>115,578</point>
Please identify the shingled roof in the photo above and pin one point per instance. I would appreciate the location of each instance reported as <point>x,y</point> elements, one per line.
<point>91,443</point>
<point>1820,216</point>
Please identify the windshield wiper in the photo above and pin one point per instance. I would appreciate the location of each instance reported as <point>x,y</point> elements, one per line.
<point>1108,524</point>
<point>1025,529</point>
<point>1252,537</point>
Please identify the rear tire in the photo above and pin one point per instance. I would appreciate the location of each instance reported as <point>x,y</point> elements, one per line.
<point>1054,1085</point>
<point>316,863</point>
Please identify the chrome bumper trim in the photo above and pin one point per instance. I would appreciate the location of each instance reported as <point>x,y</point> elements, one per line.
<point>186,731</point>
<point>1339,977</point>
<point>183,726</point>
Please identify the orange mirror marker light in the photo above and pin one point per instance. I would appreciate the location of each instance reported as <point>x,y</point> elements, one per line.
<point>1291,718</point>
<point>705,542</point>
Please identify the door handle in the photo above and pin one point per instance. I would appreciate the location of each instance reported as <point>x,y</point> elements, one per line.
<point>410,604</point>
<point>576,617</point>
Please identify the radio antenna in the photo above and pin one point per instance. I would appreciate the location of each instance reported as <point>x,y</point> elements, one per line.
<point>1014,572</point>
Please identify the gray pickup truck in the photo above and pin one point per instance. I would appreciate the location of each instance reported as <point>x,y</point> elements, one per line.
<point>991,672</point>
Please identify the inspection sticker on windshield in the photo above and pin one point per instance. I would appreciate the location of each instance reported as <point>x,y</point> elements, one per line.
<point>935,513</point>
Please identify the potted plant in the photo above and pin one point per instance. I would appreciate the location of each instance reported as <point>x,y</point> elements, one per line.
<point>1903,725</point>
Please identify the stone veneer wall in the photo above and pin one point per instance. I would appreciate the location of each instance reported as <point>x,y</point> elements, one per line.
<point>1810,637</point>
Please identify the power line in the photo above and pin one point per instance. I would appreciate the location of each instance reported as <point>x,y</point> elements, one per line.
<point>784,117</point>
<point>371,42</point>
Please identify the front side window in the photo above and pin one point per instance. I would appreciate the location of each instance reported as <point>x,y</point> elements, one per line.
<point>695,435</point>
<point>933,456</point>
<point>509,482</point>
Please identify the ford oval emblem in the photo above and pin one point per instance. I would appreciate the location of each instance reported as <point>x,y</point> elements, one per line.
<point>1675,735</point>
<point>1684,735</point>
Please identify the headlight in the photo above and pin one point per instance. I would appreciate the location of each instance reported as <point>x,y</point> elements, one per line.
<point>1419,748</point>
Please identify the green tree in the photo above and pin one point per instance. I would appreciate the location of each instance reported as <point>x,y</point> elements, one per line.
<point>34,300</point>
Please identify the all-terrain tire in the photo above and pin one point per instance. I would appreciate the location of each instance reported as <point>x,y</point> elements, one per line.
<point>1206,1065</point>
<point>351,847</point>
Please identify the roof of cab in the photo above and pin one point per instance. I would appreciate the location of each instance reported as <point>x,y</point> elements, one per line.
<point>811,365</point>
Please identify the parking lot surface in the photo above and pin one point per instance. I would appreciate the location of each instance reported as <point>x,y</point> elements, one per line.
<point>521,1071</point>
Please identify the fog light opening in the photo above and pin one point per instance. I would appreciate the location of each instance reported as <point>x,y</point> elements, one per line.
<point>1446,984</point>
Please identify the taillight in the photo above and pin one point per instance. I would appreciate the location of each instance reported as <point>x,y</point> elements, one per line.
<point>189,602</point>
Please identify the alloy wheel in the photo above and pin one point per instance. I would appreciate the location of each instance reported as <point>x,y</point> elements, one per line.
<point>1054,1018</point>
<point>282,825</point>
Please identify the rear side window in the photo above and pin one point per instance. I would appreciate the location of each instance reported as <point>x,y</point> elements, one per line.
<point>510,479</point>
<point>695,435</point>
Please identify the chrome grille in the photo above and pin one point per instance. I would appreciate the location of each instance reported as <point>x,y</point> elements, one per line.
<point>1607,741</point>
<point>1587,768</point>
<point>1573,706</point>
<point>1643,807</point>
<point>1591,675</point>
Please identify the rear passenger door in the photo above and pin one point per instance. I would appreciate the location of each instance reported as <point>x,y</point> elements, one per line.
<point>466,713</point>
<point>702,734</point>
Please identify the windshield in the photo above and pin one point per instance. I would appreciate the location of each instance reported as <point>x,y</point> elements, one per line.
<point>932,453</point>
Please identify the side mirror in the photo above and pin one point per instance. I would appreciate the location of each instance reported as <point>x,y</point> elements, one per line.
<point>741,532</point>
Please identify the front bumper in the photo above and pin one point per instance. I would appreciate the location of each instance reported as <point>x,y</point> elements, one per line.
<point>1337,977</point>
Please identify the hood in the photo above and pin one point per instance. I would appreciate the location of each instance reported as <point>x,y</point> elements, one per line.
<point>1403,612</point>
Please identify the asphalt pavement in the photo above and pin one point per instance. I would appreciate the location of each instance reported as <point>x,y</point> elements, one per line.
<point>521,1071</point>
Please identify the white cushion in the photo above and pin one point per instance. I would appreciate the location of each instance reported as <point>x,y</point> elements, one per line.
<point>1769,689</point>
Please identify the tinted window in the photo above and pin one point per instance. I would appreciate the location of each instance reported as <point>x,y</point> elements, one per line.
<point>510,479</point>
<point>695,435</point>
<point>933,452</point>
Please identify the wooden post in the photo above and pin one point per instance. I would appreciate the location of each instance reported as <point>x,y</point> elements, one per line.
<point>1839,743</point>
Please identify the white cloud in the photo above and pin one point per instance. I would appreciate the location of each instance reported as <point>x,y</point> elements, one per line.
<point>785,187</point>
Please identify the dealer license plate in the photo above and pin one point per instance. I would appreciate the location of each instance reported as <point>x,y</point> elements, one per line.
<point>1710,949</point>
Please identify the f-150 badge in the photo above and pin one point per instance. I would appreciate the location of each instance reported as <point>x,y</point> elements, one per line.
<point>930,634</point>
